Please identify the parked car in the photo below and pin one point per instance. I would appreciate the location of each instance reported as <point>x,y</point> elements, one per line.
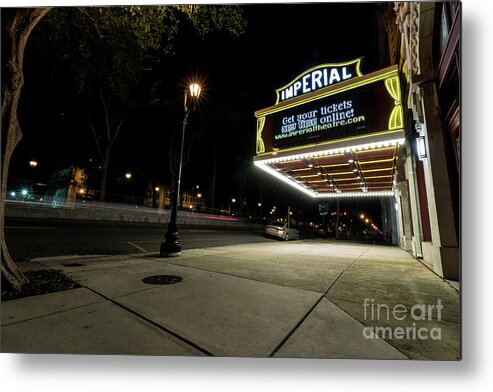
<point>373,235</point>
<point>281,230</point>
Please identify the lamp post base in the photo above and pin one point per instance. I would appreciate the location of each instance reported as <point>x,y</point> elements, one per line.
<point>171,247</point>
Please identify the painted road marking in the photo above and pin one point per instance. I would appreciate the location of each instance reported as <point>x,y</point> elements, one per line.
<point>137,247</point>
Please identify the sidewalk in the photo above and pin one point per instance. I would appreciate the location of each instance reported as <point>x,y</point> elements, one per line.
<point>276,299</point>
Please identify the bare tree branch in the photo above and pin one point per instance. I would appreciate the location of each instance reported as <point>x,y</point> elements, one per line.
<point>106,114</point>
<point>117,131</point>
<point>94,24</point>
<point>95,137</point>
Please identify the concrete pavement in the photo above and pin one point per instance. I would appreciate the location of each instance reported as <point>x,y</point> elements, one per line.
<point>314,298</point>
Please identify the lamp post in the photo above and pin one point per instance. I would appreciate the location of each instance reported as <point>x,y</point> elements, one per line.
<point>171,247</point>
<point>233,200</point>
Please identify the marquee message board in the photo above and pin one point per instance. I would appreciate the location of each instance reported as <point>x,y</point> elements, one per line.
<point>365,104</point>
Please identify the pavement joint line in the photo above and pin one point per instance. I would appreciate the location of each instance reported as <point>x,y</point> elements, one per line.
<point>297,325</point>
<point>243,277</point>
<point>31,227</point>
<point>40,260</point>
<point>159,241</point>
<point>157,325</point>
<point>225,256</point>
<point>51,314</point>
<point>185,240</point>
<point>302,320</point>
<point>345,269</point>
<point>350,315</point>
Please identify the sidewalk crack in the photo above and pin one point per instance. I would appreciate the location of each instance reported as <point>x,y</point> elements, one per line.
<point>302,320</point>
<point>155,324</point>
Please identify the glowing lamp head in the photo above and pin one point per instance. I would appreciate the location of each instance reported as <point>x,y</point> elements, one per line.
<point>128,176</point>
<point>24,192</point>
<point>199,195</point>
<point>33,163</point>
<point>195,90</point>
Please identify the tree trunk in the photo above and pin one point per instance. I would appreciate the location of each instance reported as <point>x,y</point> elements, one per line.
<point>104,174</point>
<point>17,25</point>
<point>213,185</point>
<point>242,191</point>
<point>213,174</point>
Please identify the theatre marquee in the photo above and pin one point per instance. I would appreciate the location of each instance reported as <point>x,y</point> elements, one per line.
<point>334,132</point>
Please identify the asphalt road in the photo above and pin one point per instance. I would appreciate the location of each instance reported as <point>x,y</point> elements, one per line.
<point>31,239</point>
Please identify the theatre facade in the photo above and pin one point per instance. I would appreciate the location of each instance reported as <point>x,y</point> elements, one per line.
<point>335,132</point>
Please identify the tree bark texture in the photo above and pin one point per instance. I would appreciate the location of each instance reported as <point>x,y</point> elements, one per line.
<point>17,25</point>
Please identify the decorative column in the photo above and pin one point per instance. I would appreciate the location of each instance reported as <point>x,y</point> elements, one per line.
<point>444,250</point>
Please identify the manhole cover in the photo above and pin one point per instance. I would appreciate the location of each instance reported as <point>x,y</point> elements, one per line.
<point>73,265</point>
<point>162,279</point>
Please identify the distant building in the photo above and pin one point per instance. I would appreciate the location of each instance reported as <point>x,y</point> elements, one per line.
<point>160,197</point>
<point>67,185</point>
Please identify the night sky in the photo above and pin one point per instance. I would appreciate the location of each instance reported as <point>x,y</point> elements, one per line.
<point>242,73</point>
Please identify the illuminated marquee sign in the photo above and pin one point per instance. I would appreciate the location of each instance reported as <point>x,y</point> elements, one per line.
<point>364,105</point>
<point>319,77</point>
<point>334,132</point>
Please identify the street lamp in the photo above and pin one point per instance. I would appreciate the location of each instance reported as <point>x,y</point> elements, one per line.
<point>33,163</point>
<point>233,200</point>
<point>128,176</point>
<point>171,247</point>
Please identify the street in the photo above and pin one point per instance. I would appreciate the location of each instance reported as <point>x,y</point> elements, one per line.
<point>29,239</point>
